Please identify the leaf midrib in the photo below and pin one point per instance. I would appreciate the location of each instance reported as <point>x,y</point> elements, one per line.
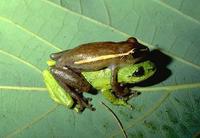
<point>171,88</point>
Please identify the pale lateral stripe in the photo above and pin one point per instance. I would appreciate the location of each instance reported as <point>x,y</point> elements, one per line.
<point>102,57</point>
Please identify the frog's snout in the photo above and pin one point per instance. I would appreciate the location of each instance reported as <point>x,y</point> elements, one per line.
<point>141,52</point>
<point>145,49</point>
<point>142,48</point>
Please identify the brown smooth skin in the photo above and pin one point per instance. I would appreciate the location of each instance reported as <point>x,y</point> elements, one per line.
<point>91,57</point>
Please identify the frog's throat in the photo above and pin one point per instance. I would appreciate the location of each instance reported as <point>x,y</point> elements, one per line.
<point>103,57</point>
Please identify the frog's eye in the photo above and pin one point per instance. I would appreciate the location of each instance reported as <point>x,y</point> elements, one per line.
<point>139,72</point>
<point>132,40</point>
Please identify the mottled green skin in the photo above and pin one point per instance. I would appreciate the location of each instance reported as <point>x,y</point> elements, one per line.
<point>101,81</point>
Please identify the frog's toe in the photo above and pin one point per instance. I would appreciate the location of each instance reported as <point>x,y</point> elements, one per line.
<point>89,99</point>
<point>78,108</point>
<point>92,109</point>
<point>130,95</point>
<point>134,93</point>
<point>131,107</point>
<point>85,103</point>
<point>89,106</point>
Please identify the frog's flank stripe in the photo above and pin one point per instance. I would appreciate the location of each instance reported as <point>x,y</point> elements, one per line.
<point>103,57</point>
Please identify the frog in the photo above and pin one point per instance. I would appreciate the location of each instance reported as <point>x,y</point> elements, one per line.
<point>132,74</point>
<point>95,56</point>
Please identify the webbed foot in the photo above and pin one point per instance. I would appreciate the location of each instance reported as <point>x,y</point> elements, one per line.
<point>83,103</point>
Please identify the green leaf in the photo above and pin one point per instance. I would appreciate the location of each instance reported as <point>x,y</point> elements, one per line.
<point>32,29</point>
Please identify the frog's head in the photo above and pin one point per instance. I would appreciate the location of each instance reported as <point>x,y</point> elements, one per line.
<point>137,72</point>
<point>139,51</point>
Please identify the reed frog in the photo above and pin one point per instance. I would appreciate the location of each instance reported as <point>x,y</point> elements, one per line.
<point>92,57</point>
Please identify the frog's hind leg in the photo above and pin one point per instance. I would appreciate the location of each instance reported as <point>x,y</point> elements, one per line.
<point>72,79</point>
<point>67,80</point>
<point>56,56</point>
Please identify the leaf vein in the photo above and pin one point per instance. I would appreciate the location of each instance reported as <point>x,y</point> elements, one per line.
<point>149,89</point>
<point>23,88</point>
<point>108,13</point>
<point>29,32</point>
<point>32,122</point>
<point>20,60</point>
<point>177,11</point>
<point>170,88</point>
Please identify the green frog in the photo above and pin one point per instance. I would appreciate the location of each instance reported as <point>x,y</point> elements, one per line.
<point>69,65</point>
<point>100,80</point>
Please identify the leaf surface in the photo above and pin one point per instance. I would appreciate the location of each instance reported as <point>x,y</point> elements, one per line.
<point>32,29</point>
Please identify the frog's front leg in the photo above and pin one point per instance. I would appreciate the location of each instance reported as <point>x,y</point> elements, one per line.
<point>74,84</point>
<point>119,90</point>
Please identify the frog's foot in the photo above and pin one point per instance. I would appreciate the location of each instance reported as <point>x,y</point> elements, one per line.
<point>128,94</point>
<point>122,102</point>
<point>119,90</point>
<point>83,103</point>
<point>107,93</point>
<point>79,107</point>
<point>133,93</point>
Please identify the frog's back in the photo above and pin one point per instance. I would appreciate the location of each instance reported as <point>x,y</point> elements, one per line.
<point>97,49</point>
<point>94,56</point>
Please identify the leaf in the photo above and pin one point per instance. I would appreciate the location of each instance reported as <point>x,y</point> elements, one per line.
<point>32,29</point>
